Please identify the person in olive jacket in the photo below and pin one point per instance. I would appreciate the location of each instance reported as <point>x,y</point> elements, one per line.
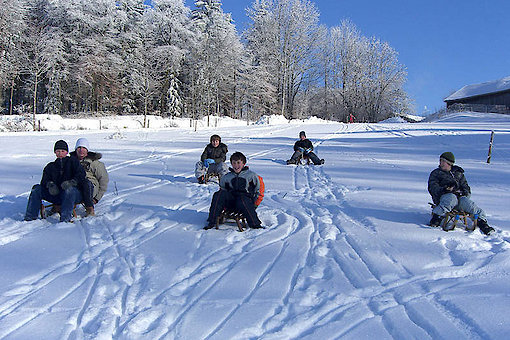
<point>450,190</point>
<point>95,171</point>
<point>212,160</point>
<point>63,183</point>
<point>239,191</point>
<point>303,147</point>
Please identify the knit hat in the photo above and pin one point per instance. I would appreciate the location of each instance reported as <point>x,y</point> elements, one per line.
<point>449,157</point>
<point>83,142</point>
<point>302,133</point>
<point>61,145</point>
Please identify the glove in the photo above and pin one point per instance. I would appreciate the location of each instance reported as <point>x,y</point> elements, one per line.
<point>52,188</point>
<point>68,184</point>
<point>301,149</point>
<point>208,162</point>
<point>308,150</point>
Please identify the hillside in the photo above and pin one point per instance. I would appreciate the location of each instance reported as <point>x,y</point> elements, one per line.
<point>346,252</point>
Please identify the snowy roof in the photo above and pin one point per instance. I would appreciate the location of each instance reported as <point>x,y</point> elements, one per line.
<point>480,89</point>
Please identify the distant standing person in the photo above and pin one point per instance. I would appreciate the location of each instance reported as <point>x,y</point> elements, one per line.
<point>450,190</point>
<point>95,171</point>
<point>63,184</point>
<point>212,160</point>
<point>303,147</point>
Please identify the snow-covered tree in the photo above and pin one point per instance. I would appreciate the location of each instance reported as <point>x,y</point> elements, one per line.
<point>40,48</point>
<point>173,38</point>
<point>12,28</point>
<point>215,60</point>
<point>285,36</point>
<point>365,78</point>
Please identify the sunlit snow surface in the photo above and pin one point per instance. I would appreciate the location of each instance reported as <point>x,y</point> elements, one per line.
<point>346,253</point>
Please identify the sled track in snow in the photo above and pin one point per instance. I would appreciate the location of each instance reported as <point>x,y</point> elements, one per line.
<point>396,296</point>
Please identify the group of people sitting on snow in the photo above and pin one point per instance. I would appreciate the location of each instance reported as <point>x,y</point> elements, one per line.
<point>71,179</point>
<point>82,178</point>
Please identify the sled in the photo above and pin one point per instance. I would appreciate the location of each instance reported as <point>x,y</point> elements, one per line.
<point>50,205</point>
<point>303,160</point>
<point>454,217</point>
<point>211,175</point>
<point>238,217</point>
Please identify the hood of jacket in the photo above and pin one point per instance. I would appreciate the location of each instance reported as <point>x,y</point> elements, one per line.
<point>93,156</point>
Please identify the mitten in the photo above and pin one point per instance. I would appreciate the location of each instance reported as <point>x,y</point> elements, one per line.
<point>68,184</point>
<point>308,150</point>
<point>208,162</point>
<point>301,149</point>
<point>52,188</point>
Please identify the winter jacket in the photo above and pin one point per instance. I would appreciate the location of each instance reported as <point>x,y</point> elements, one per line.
<point>304,144</point>
<point>246,183</point>
<point>95,172</point>
<point>219,154</point>
<point>64,169</point>
<point>439,180</point>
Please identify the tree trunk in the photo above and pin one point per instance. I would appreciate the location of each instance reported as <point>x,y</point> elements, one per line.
<point>35,102</point>
<point>11,96</point>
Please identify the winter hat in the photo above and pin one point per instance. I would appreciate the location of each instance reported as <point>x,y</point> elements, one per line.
<point>83,142</point>
<point>448,157</point>
<point>61,145</point>
<point>302,133</point>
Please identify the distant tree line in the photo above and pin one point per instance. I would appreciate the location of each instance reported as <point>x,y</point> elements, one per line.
<point>126,57</point>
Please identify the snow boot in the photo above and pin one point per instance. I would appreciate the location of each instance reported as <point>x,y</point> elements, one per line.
<point>484,227</point>
<point>321,161</point>
<point>291,161</point>
<point>90,211</point>
<point>435,221</point>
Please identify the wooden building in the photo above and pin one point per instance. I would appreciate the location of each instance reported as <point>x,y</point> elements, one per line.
<point>491,96</point>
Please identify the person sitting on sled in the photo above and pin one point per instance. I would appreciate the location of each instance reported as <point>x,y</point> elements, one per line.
<point>304,148</point>
<point>239,191</point>
<point>450,190</point>
<point>63,183</point>
<point>95,171</point>
<point>212,160</point>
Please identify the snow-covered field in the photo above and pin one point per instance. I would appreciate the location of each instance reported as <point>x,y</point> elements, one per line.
<point>346,253</point>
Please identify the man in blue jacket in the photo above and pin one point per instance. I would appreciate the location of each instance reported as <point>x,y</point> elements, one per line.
<point>450,190</point>
<point>63,183</point>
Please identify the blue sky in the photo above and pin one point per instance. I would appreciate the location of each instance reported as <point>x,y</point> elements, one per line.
<point>445,44</point>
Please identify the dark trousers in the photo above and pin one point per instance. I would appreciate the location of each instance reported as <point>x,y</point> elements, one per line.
<point>224,199</point>
<point>88,191</point>
<point>66,198</point>
<point>313,157</point>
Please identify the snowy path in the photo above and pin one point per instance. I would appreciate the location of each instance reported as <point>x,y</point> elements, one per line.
<point>345,253</point>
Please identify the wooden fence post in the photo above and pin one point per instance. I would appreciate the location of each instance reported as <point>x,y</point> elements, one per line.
<point>490,148</point>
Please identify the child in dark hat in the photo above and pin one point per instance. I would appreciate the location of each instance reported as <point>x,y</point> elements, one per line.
<point>212,160</point>
<point>304,148</point>
<point>239,191</point>
<point>450,190</point>
<point>62,184</point>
